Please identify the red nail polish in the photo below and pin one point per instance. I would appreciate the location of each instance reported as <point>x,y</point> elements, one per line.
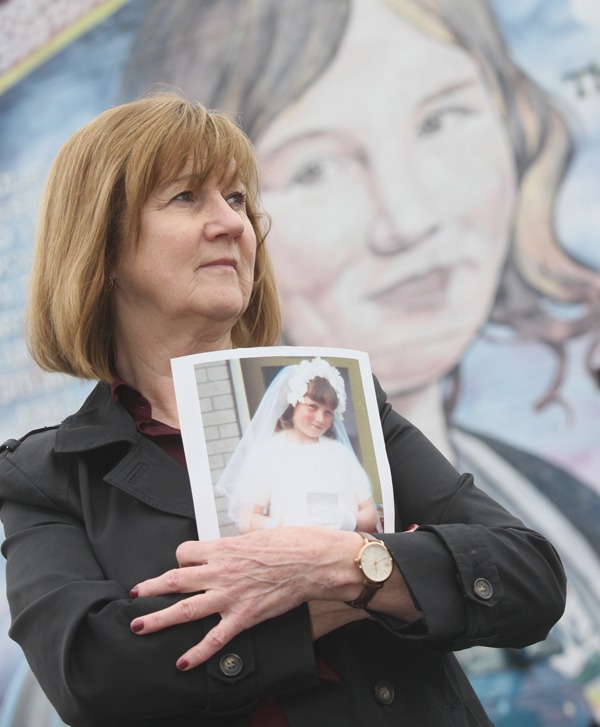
<point>134,593</point>
<point>183,664</point>
<point>137,626</point>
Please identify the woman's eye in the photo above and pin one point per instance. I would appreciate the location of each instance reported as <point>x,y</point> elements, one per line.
<point>443,120</point>
<point>237,200</point>
<point>184,197</point>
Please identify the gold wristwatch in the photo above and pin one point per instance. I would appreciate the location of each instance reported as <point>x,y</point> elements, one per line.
<point>376,565</point>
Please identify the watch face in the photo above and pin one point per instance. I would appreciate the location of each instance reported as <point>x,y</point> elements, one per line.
<point>376,562</point>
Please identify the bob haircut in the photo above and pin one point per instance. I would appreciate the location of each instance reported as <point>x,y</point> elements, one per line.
<point>319,390</point>
<point>93,200</point>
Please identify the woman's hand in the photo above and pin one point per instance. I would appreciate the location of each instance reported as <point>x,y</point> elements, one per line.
<point>253,577</point>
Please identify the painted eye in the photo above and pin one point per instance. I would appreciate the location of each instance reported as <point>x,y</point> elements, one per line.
<point>321,171</point>
<point>443,120</point>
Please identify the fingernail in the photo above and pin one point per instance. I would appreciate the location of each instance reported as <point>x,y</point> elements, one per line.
<point>137,625</point>
<point>134,593</point>
<point>183,664</point>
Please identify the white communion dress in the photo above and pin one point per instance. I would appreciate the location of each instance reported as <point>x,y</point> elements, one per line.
<point>320,483</point>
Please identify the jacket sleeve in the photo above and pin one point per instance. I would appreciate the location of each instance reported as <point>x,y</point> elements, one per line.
<point>72,621</point>
<point>477,573</point>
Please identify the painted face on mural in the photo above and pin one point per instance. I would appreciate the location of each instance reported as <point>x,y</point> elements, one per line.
<point>392,194</point>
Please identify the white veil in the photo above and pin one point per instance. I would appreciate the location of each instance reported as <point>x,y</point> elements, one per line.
<point>288,387</point>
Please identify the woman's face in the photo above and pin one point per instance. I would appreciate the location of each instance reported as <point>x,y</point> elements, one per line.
<point>391,185</point>
<point>311,420</point>
<point>194,260</point>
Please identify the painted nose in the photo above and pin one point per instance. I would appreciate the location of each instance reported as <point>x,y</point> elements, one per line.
<point>387,240</point>
<point>403,216</point>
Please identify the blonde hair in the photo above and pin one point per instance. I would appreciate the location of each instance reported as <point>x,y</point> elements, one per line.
<point>95,191</point>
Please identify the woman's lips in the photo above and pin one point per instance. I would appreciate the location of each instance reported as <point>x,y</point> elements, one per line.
<point>417,292</point>
<point>221,263</point>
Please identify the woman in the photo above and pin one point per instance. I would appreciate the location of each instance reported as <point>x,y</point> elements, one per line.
<point>151,245</point>
<point>295,464</point>
<point>412,200</point>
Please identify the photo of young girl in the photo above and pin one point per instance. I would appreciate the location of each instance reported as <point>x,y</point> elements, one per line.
<point>287,436</point>
<point>301,468</point>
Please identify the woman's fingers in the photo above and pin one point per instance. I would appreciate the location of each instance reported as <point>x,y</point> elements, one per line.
<point>189,609</point>
<point>193,552</point>
<point>176,580</point>
<point>236,616</point>
<point>212,643</point>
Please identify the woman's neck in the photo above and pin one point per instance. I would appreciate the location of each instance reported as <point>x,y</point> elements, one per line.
<point>153,379</point>
<point>144,362</point>
<point>425,409</point>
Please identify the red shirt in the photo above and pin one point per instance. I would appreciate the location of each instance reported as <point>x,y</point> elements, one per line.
<point>269,713</point>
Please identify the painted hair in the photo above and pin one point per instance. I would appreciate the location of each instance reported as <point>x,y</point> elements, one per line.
<point>94,196</point>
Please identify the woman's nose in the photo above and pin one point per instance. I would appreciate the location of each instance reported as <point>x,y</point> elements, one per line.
<point>222,220</point>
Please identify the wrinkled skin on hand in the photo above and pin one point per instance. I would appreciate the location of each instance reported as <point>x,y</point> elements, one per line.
<point>253,577</point>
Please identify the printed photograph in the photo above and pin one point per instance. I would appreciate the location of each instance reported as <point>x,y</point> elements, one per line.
<point>283,436</point>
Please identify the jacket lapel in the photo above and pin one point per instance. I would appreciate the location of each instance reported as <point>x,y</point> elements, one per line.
<point>154,478</point>
<point>145,472</point>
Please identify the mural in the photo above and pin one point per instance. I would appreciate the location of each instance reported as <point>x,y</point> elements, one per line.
<point>431,169</point>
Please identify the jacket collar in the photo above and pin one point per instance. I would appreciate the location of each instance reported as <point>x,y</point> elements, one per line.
<point>144,472</point>
<point>97,424</point>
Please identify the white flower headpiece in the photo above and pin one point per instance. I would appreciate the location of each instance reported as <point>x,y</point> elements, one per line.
<point>306,371</point>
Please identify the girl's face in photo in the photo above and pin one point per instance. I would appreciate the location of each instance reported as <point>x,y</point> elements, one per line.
<point>391,184</point>
<point>311,420</point>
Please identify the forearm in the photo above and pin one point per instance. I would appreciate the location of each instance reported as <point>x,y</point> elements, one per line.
<point>97,672</point>
<point>476,585</point>
<point>475,571</point>
<point>74,626</point>
<point>255,577</point>
<point>393,600</point>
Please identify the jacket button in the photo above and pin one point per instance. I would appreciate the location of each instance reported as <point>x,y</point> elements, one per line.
<point>231,665</point>
<point>482,588</point>
<point>384,692</point>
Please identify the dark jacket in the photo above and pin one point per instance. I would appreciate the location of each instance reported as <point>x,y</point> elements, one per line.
<point>91,508</point>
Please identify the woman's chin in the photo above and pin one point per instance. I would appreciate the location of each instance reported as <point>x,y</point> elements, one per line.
<point>226,308</point>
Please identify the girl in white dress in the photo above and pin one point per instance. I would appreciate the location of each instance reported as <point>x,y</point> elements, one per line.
<point>295,464</point>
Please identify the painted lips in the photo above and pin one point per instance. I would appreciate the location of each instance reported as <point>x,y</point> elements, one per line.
<point>417,292</point>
